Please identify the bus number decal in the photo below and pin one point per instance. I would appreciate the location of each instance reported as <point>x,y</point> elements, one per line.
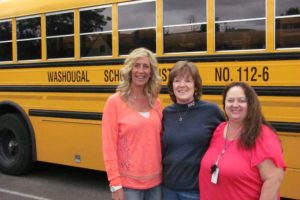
<point>222,74</point>
<point>252,74</point>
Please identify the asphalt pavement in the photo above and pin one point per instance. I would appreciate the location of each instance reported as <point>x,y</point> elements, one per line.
<point>55,182</point>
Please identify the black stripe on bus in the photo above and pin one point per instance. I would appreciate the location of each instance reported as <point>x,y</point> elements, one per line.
<point>286,126</point>
<point>260,90</point>
<point>167,59</point>
<point>233,57</point>
<point>207,90</point>
<point>279,126</point>
<point>59,88</point>
<point>66,114</point>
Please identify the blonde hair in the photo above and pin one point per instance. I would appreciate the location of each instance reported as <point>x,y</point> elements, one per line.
<point>152,87</point>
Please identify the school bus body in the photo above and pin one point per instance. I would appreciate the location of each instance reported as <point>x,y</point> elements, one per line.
<point>60,101</point>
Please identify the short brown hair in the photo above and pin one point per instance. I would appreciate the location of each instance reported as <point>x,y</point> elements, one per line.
<point>182,67</point>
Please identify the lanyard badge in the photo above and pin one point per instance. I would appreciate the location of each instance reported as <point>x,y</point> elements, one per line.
<point>214,173</point>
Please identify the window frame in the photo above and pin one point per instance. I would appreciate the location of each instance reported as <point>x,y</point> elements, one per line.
<point>241,20</point>
<point>8,41</point>
<point>282,17</point>
<point>133,29</point>
<point>28,39</point>
<point>60,36</point>
<point>184,25</point>
<point>96,32</point>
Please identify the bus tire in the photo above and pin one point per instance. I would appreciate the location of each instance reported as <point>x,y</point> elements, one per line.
<point>15,145</point>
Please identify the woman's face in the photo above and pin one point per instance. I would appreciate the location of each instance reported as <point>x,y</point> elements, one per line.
<point>141,71</point>
<point>236,104</point>
<point>184,88</point>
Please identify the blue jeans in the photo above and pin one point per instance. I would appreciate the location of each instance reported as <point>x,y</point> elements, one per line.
<point>146,194</point>
<point>169,194</point>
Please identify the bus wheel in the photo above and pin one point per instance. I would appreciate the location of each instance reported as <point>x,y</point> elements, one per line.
<point>15,145</point>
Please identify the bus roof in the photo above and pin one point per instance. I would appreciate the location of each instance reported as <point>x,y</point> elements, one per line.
<point>17,8</point>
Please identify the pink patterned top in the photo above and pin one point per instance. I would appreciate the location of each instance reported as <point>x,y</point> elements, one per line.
<point>131,144</point>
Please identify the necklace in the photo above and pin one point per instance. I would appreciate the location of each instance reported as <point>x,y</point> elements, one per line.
<point>181,115</point>
<point>180,119</point>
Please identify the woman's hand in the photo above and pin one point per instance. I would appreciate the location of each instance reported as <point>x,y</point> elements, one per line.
<point>118,195</point>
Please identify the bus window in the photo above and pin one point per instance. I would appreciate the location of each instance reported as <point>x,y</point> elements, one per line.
<point>184,26</point>
<point>240,25</point>
<point>287,24</point>
<point>137,26</point>
<point>5,41</point>
<point>60,35</point>
<point>96,32</point>
<point>29,37</point>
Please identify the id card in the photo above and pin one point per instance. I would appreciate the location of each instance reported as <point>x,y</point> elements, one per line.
<point>214,176</point>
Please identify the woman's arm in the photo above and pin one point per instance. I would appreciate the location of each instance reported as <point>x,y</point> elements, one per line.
<point>110,140</point>
<point>272,178</point>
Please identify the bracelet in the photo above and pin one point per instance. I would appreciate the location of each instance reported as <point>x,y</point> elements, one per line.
<point>115,188</point>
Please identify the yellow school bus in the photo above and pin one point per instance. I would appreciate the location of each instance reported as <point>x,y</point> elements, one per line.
<point>60,60</point>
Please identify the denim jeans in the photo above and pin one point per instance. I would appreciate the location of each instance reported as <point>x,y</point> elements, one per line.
<point>146,194</point>
<point>169,194</point>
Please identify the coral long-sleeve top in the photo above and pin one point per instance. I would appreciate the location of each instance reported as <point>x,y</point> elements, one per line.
<point>131,144</point>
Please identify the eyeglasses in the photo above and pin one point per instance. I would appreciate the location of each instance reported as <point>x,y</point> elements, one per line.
<point>213,168</point>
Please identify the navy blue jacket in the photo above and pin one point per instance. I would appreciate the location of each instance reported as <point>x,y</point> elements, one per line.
<point>186,141</point>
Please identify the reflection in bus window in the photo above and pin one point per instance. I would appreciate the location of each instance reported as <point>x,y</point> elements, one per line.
<point>5,41</point>
<point>96,32</point>
<point>287,23</point>
<point>243,29</point>
<point>240,35</point>
<point>287,7</point>
<point>29,37</point>
<point>184,26</point>
<point>60,35</point>
<point>239,9</point>
<point>136,26</point>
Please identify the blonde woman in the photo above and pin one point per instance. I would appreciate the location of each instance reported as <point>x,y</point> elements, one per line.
<point>131,128</point>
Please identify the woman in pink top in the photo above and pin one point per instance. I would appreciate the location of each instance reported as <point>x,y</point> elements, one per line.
<point>244,160</point>
<point>131,128</point>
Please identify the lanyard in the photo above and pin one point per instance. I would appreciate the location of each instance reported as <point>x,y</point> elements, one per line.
<point>225,147</point>
<point>214,169</point>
